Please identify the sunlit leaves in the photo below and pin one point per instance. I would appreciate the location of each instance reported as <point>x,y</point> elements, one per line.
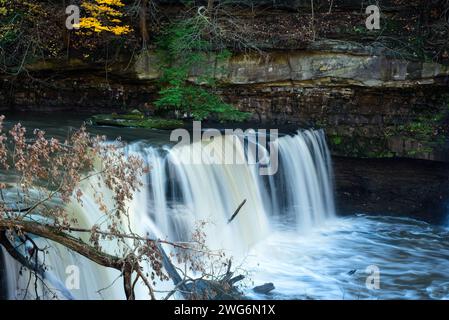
<point>104,16</point>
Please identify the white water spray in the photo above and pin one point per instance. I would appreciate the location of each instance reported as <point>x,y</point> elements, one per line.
<point>177,195</point>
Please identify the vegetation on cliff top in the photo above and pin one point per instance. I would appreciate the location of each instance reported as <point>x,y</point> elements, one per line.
<point>187,45</point>
<point>35,30</point>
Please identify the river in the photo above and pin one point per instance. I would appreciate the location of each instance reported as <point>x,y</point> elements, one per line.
<point>288,233</point>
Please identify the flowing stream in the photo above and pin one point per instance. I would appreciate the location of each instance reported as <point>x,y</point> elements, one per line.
<point>287,232</point>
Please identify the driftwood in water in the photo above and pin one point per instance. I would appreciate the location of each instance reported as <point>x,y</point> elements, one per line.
<point>201,289</point>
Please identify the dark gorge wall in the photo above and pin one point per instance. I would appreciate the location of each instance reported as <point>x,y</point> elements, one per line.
<point>399,187</point>
<point>370,106</point>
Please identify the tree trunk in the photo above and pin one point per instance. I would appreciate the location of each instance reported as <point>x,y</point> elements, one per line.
<point>210,6</point>
<point>127,281</point>
<point>65,32</point>
<point>143,23</point>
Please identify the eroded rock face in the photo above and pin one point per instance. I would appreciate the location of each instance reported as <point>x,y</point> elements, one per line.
<point>359,121</point>
<point>308,68</point>
<point>325,71</point>
<point>363,101</point>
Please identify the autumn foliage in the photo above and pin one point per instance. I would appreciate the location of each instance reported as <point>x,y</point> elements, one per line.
<point>104,16</point>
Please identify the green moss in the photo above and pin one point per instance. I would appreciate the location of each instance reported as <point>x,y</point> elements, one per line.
<point>428,131</point>
<point>135,120</point>
<point>358,145</point>
<point>336,140</point>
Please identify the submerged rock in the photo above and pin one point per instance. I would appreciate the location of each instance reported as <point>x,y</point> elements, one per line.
<point>265,288</point>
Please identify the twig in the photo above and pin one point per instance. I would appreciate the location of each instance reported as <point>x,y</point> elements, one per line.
<point>147,283</point>
<point>237,211</point>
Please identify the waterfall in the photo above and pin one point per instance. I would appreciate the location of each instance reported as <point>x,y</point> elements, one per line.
<point>307,187</point>
<point>177,194</point>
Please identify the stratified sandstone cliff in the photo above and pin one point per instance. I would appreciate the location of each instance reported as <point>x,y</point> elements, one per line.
<point>375,92</point>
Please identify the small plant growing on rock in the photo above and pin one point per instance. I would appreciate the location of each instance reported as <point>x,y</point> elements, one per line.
<point>187,46</point>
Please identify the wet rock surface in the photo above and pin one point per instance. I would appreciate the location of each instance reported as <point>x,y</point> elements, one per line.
<point>264,289</point>
<point>400,187</point>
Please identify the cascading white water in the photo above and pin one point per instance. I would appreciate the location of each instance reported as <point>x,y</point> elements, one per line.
<point>307,188</point>
<point>177,195</point>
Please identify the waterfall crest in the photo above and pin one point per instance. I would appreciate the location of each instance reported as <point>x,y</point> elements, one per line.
<point>176,195</point>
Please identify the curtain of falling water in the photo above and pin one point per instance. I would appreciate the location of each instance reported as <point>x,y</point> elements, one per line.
<point>178,194</point>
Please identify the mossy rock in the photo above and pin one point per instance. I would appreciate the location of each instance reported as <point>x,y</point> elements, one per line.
<point>135,120</point>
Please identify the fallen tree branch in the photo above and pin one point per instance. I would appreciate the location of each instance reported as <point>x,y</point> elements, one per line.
<point>56,235</point>
<point>31,264</point>
<point>179,245</point>
<point>237,211</point>
<point>27,263</point>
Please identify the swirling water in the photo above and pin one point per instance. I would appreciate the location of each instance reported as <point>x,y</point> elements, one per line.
<point>331,261</point>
